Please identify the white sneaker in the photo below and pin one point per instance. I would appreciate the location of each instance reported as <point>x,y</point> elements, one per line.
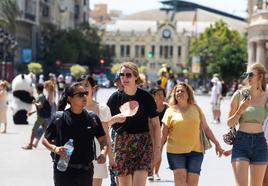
<point>156,177</point>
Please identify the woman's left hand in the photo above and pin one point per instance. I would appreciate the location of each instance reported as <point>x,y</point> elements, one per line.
<point>101,159</point>
<point>219,150</point>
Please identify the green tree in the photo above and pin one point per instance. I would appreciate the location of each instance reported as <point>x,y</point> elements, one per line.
<point>35,68</point>
<point>81,46</point>
<point>77,71</point>
<point>9,11</point>
<point>221,50</point>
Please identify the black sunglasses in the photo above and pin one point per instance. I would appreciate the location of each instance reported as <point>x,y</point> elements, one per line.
<point>80,94</point>
<point>128,75</point>
<point>248,74</point>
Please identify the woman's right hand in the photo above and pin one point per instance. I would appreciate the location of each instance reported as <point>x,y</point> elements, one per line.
<point>60,151</point>
<point>119,118</point>
<point>244,104</point>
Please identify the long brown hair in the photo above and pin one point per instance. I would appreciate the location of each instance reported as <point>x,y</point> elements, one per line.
<point>173,101</point>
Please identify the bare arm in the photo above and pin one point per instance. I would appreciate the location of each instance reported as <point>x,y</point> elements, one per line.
<point>103,145</point>
<point>109,143</point>
<point>53,148</point>
<point>156,136</point>
<point>119,118</point>
<point>211,136</point>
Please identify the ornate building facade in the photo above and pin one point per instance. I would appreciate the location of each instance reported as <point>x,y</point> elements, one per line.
<point>156,37</point>
<point>257,32</point>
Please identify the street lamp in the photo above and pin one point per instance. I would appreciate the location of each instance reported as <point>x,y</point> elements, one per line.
<point>8,44</point>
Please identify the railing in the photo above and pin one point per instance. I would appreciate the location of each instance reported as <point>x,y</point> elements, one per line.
<point>29,16</point>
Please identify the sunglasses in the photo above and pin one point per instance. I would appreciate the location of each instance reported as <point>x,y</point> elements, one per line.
<point>81,94</point>
<point>248,74</point>
<point>128,75</point>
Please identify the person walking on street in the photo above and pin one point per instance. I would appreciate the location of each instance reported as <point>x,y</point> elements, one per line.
<point>78,124</point>
<point>182,125</point>
<point>215,98</point>
<point>248,109</point>
<point>3,105</point>
<point>40,121</point>
<point>103,111</point>
<point>133,147</point>
<point>159,95</point>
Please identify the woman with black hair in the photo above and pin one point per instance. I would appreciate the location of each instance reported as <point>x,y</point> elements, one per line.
<point>78,124</point>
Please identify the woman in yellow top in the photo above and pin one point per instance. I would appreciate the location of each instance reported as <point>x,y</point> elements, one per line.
<point>181,128</point>
<point>249,111</point>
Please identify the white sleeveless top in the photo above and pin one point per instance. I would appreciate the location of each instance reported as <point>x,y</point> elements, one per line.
<point>100,170</point>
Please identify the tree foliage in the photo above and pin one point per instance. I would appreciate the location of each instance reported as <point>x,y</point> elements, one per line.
<point>80,46</point>
<point>222,50</point>
<point>77,70</point>
<point>9,11</point>
<point>35,68</point>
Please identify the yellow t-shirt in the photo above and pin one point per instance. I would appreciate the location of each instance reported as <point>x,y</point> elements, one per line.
<point>184,130</point>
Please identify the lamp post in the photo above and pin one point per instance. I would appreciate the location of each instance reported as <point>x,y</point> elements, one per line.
<point>8,44</point>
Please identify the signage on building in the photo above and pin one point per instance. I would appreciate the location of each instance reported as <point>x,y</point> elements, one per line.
<point>26,55</point>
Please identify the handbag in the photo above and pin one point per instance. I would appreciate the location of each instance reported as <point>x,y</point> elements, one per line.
<point>229,137</point>
<point>205,142</point>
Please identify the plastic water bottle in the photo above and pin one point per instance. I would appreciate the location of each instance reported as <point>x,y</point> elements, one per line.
<point>64,161</point>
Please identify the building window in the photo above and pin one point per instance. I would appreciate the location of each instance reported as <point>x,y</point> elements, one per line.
<point>45,11</point>
<point>137,54</point>
<point>113,51</point>
<point>84,17</point>
<point>179,51</point>
<point>127,50</point>
<point>161,51</point>
<point>122,50</point>
<point>85,2</point>
<point>76,11</point>
<point>171,51</point>
<point>142,51</point>
<point>153,50</point>
<point>166,52</point>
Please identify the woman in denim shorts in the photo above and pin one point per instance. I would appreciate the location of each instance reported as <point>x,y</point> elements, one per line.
<point>249,111</point>
<point>182,123</point>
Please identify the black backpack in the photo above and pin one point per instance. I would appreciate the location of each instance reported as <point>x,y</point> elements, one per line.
<point>45,110</point>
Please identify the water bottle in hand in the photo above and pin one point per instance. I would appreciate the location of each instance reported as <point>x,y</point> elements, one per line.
<point>64,161</point>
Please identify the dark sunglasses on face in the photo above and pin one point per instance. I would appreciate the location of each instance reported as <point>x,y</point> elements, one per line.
<point>248,74</point>
<point>80,94</point>
<point>128,75</point>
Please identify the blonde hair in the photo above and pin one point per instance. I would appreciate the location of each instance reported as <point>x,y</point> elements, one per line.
<point>49,85</point>
<point>261,74</point>
<point>134,68</point>
<point>173,101</point>
<point>4,83</point>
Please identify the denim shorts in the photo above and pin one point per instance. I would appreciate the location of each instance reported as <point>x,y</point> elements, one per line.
<point>250,147</point>
<point>190,161</point>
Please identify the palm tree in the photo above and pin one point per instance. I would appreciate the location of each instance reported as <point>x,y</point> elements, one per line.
<point>9,11</point>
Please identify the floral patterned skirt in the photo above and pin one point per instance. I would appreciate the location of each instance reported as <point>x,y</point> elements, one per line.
<point>133,152</point>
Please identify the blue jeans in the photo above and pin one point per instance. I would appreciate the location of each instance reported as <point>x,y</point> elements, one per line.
<point>190,161</point>
<point>250,147</point>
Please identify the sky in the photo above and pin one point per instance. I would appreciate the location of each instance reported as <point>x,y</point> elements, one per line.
<point>236,7</point>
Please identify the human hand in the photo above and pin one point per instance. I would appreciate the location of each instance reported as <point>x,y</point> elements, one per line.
<point>244,104</point>
<point>101,159</point>
<point>227,152</point>
<point>120,118</point>
<point>219,150</point>
<point>156,155</point>
<point>112,163</point>
<point>60,151</point>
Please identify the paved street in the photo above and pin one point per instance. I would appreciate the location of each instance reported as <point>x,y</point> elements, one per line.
<point>34,167</point>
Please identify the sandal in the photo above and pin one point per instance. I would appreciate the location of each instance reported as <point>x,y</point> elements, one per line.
<point>27,147</point>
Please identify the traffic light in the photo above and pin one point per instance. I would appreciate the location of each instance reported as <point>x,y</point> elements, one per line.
<point>102,61</point>
<point>150,55</point>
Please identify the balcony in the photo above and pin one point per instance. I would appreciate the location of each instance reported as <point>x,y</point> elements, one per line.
<point>29,16</point>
